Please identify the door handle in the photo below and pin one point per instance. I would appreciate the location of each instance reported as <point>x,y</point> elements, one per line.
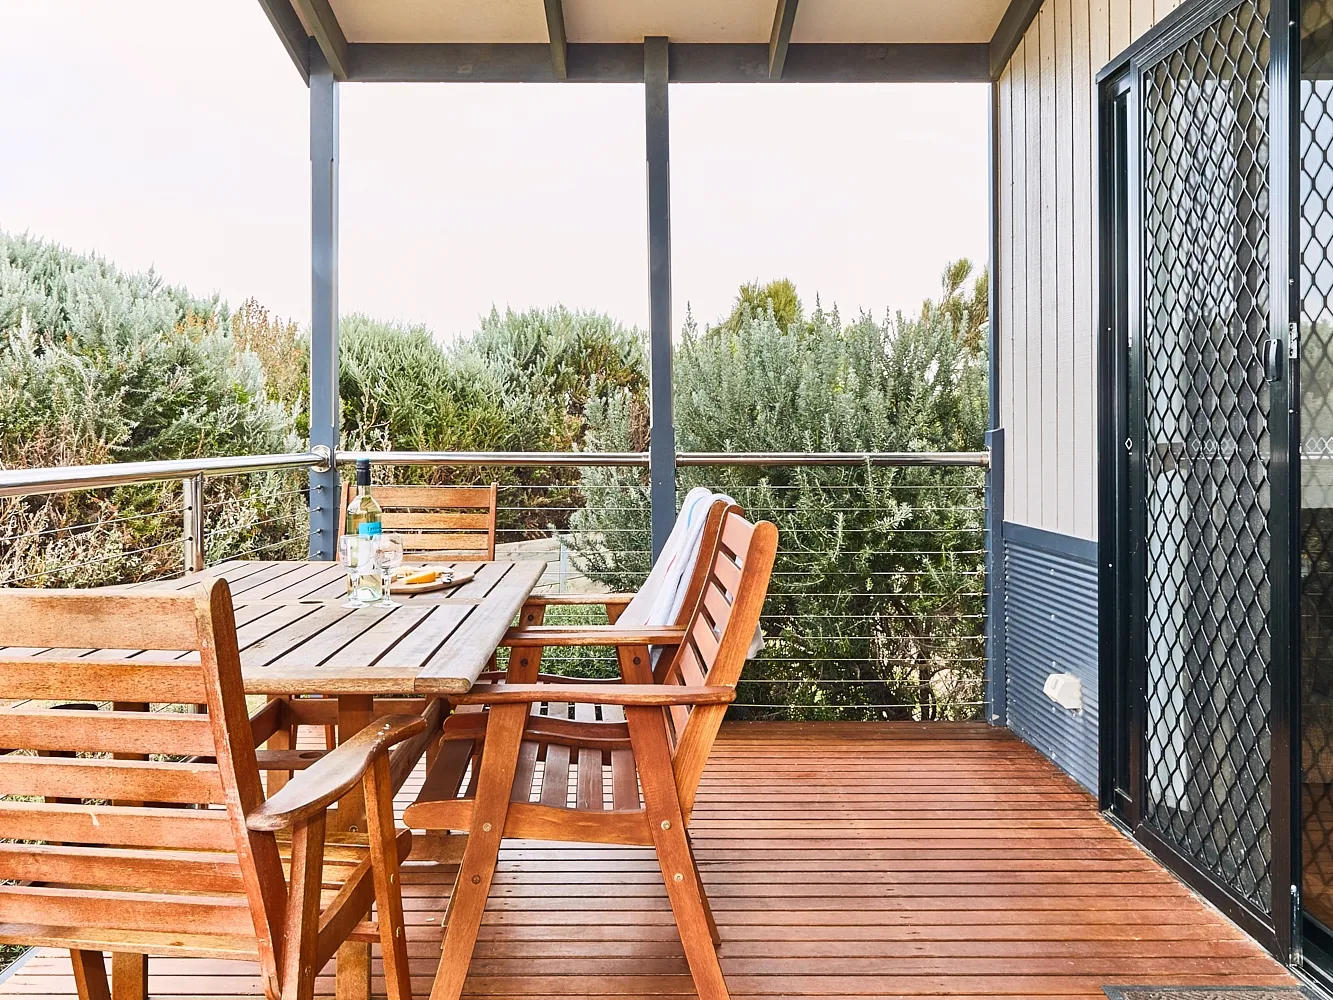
<point>1273,359</point>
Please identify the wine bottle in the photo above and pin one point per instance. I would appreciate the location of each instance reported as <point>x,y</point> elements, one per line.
<point>365,522</point>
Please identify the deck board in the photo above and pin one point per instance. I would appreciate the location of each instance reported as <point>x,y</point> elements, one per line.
<point>842,860</point>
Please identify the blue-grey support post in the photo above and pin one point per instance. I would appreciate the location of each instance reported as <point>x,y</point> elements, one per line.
<point>325,408</point>
<point>996,663</point>
<point>662,436</point>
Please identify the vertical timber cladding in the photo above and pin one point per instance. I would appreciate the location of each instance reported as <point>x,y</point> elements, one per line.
<point>1206,494</point>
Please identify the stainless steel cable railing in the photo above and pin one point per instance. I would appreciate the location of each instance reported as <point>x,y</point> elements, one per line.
<point>877,608</point>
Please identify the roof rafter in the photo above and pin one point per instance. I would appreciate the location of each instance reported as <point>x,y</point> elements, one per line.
<point>290,32</point>
<point>1018,16</point>
<point>784,17</point>
<point>328,34</point>
<point>555,31</point>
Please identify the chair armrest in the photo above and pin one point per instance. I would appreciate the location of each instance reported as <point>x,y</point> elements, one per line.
<point>596,600</point>
<point>593,635</point>
<point>335,774</point>
<point>596,694</point>
<point>503,675</point>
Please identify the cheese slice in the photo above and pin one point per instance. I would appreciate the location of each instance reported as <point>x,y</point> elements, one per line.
<point>421,576</point>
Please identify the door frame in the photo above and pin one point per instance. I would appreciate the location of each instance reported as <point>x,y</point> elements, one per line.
<point>1122,476</point>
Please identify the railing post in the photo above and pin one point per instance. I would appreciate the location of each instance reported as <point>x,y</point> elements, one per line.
<point>662,433</point>
<point>996,663</point>
<point>192,497</point>
<point>325,409</point>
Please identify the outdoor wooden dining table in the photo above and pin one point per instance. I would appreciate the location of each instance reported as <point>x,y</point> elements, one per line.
<point>296,638</point>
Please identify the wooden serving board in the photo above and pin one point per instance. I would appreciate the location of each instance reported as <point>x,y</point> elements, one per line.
<point>447,578</point>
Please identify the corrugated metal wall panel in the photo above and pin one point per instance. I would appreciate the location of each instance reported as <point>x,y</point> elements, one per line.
<point>1051,627</point>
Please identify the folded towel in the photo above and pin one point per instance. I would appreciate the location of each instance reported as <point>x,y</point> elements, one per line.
<point>662,596</point>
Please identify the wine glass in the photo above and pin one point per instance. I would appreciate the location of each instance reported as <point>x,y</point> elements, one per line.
<point>388,557</point>
<point>349,554</point>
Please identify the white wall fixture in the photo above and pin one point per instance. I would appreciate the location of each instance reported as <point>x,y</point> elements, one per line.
<point>1066,690</point>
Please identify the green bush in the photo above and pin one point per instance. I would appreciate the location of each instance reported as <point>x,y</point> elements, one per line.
<point>100,366</point>
<point>877,596</point>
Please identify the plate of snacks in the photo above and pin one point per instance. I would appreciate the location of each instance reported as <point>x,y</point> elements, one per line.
<point>424,579</point>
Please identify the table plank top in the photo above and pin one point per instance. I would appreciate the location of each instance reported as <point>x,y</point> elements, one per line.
<point>296,638</point>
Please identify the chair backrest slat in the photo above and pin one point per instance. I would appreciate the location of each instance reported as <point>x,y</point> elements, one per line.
<point>119,852</point>
<point>438,522</point>
<point>106,732</point>
<point>133,780</point>
<point>132,826</point>
<point>719,632</point>
<point>169,682</point>
<point>122,868</point>
<point>89,619</point>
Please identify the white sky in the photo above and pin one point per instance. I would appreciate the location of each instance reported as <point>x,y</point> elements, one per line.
<point>173,134</point>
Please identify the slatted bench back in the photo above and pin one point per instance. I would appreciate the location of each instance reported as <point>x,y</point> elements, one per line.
<point>108,793</point>
<point>719,631</point>
<point>438,522</point>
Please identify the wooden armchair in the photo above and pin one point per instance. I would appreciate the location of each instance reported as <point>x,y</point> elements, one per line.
<point>660,749</point>
<point>437,522</point>
<point>176,850</point>
<point>531,636</point>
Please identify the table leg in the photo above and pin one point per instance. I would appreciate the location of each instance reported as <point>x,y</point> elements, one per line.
<point>355,712</point>
<point>352,970</point>
<point>129,976</point>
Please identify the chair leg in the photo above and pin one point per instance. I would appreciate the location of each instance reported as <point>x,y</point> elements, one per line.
<point>385,871</point>
<point>652,752</point>
<point>129,976</point>
<point>499,760</point>
<point>90,975</point>
<point>301,921</point>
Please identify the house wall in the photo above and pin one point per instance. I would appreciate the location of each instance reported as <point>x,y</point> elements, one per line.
<point>1046,274</point>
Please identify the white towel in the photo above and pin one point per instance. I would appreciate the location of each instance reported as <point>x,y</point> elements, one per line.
<point>660,599</point>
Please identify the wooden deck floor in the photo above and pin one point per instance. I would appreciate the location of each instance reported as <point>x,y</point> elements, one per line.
<point>843,860</point>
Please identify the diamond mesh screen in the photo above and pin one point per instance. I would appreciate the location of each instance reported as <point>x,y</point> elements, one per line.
<point>1316,352</point>
<point>1206,255</point>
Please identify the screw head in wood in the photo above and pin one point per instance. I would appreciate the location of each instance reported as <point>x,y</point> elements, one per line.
<point>678,877</point>
<point>666,824</point>
<point>476,880</point>
<point>485,828</point>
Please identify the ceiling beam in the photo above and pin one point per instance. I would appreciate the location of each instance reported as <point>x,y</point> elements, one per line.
<point>328,34</point>
<point>704,62</point>
<point>783,19</point>
<point>291,32</point>
<point>1013,26</point>
<point>555,31</point>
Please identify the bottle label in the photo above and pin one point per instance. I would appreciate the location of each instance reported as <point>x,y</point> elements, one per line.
<point>369,528</point>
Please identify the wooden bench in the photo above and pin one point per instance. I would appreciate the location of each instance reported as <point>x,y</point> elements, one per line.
<point>482,780</point>
<point>157,839</point>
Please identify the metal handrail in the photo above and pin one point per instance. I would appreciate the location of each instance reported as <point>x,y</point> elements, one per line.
<point>64,479</point>
<point>589,459</point>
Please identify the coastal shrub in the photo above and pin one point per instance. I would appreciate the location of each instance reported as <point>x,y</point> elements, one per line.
<point>878,594</point>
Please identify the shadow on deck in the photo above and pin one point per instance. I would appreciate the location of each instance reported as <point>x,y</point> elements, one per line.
<point>842,859</point>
